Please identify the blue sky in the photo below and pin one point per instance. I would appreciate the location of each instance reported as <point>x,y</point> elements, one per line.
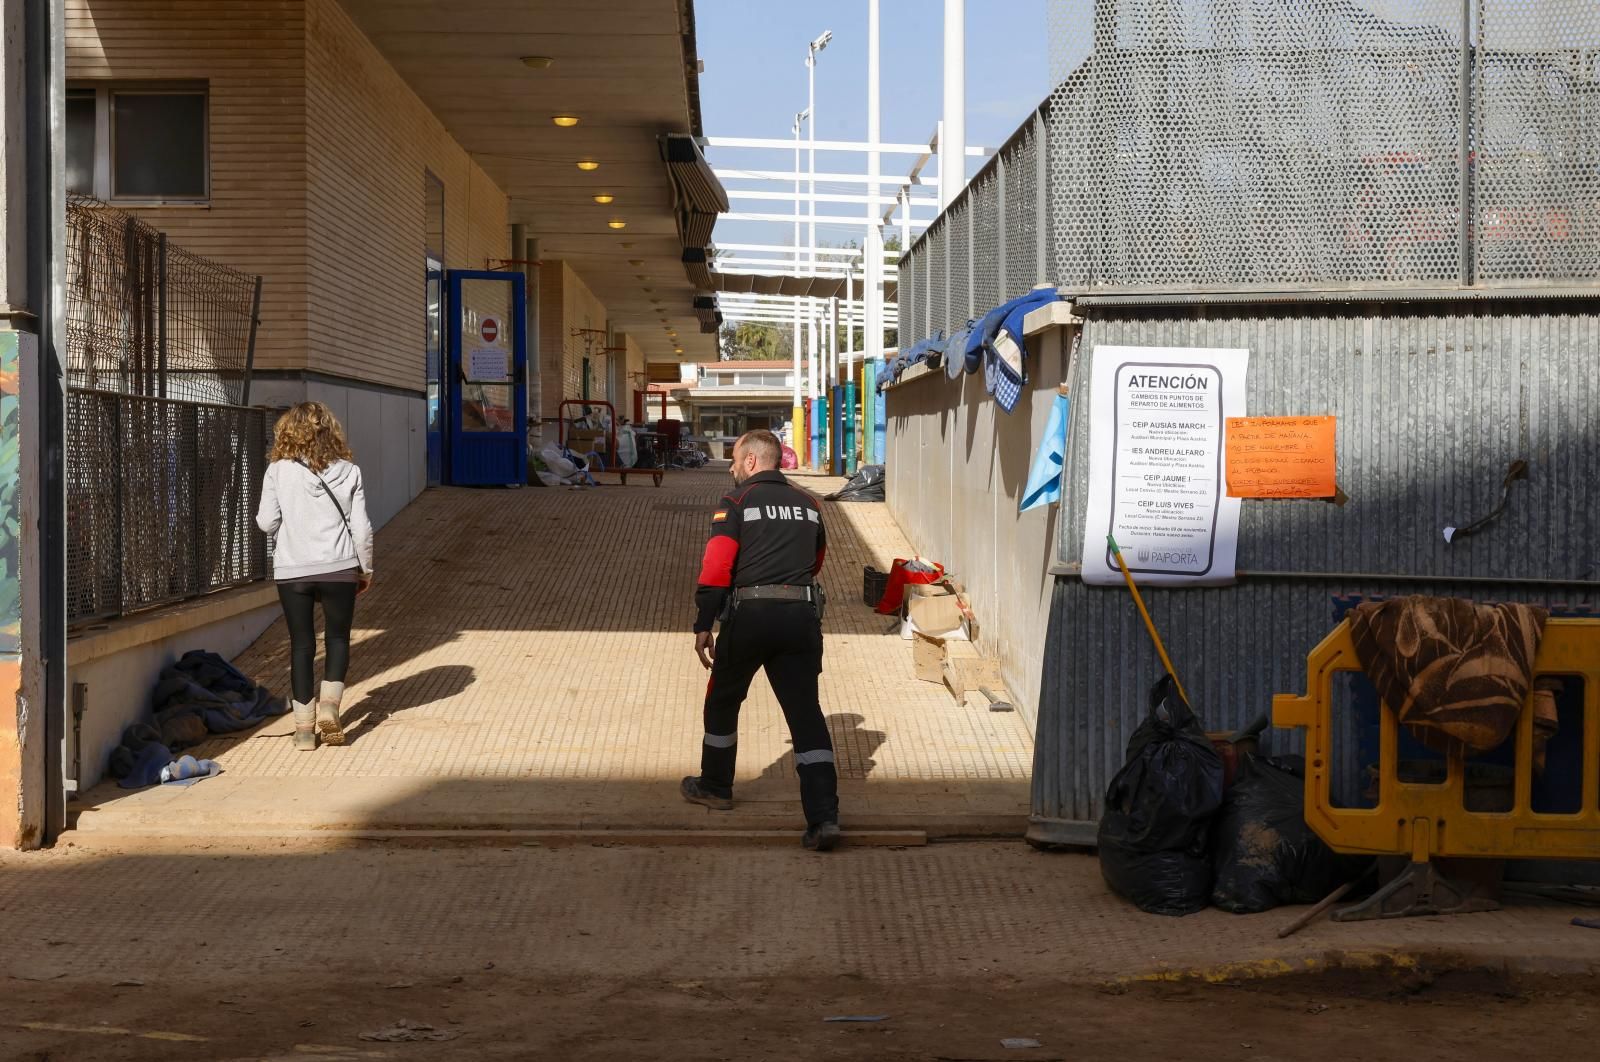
<point>755,79</point>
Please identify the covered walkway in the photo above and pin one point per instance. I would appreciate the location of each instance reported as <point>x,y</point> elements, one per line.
<point>525,663</point>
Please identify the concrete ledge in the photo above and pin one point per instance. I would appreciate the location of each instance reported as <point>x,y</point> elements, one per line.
<point>147,628</point>
<point>1055,315</point>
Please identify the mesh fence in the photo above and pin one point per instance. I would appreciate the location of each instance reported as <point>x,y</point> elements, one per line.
<point>986,261</point>
<point>1284,145</point>
<point>145,317</point>
<point>938,276</point>
<point>958,252</point>
<point>1536,167</point>
<point>161,499</point>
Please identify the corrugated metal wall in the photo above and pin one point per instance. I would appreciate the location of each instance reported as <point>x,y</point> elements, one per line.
<point>1434,403</point>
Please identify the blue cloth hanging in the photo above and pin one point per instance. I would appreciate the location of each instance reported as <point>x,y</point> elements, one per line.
<point>1044,478</point>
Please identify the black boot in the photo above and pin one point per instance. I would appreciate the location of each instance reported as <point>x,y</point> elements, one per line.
<point>823,837</point>
<point>696,793</point>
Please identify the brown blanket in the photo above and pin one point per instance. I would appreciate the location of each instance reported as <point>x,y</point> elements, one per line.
<point>1452,670</point>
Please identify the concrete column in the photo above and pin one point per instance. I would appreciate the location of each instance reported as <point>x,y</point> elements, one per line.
<point>32,324</point>
<point>528,248</point>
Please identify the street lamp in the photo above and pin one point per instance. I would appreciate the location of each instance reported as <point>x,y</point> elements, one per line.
<point>797,413</point>
<point>812,51</point>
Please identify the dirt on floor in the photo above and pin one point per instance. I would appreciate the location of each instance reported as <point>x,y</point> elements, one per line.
<point>1410,1014</point>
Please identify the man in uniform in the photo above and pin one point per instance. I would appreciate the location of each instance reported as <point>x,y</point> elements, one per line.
<point>759,577</point>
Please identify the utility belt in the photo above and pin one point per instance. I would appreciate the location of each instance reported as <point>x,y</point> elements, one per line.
<point>810,593</point>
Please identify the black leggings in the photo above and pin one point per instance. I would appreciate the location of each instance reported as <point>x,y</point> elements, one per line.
<point>300,610</point>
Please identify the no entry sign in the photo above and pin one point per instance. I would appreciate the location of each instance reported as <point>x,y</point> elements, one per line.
<point>490,329</point>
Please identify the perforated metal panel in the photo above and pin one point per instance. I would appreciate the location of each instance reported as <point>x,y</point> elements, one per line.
<point>907,309</point>
<point>938,274</point>
<point>984,194</point>
<point>958,258</point>
<point>1022,210</point>
<point>1536,200</point>
<point>1275,143</point>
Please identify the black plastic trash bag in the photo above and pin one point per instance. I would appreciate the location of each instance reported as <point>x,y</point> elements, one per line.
<point>867,485</point>
<point>1264,853</point>
<point>1154,835</point>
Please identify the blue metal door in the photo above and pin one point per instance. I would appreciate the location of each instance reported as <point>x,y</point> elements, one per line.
<point>488,392</point>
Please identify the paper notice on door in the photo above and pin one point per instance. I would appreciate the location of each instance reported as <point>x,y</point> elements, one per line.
<point>1156,478</point>
<point>1281,457</point>
<point>488,365</point>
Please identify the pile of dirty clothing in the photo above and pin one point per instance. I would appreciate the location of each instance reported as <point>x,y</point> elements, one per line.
<point>199,695</point>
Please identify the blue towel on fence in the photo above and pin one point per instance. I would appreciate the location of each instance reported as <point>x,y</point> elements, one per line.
<point>1044,478</point>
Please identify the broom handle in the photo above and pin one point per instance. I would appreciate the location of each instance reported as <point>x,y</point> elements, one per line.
<point>1149,624</point>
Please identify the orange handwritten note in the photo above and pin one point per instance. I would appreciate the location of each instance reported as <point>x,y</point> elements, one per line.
<point>1280,457</point>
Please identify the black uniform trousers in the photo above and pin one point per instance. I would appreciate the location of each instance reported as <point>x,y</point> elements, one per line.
<point>785,638</point>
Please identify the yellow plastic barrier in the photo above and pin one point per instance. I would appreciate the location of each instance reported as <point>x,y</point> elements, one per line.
<point>1431,821</point>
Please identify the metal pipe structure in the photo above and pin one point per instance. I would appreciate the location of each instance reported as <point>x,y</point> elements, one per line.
<point>952,163</point>
<point>872,346</point>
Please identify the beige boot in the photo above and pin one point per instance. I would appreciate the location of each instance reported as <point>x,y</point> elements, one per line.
<point>329,729</point>
<point>305,726</point>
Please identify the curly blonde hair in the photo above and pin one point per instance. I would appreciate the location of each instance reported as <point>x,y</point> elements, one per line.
<point>310,433</point>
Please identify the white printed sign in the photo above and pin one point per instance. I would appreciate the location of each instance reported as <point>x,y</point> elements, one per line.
<point>1157,481</point>
<point>488,365</point>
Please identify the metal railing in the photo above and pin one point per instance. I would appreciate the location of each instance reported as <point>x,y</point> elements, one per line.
<point>147,317</point>
<point>164,462</point>
<point>1281,146</point>
<point>161,500</point>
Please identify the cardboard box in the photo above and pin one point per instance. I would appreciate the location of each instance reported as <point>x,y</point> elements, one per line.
<point>965,669</point>
<point>927,657</point>
<point>934,610</point>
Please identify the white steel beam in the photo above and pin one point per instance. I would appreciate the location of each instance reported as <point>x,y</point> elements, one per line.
<point>833,145</point>
<point>731,174</point>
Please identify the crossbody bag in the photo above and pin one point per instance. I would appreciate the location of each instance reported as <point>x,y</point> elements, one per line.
<point>342,516</point>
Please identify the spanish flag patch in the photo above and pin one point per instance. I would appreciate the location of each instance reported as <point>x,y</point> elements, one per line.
<point>719,516</point>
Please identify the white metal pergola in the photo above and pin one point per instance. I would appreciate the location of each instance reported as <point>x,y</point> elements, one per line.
<point>864,203</point>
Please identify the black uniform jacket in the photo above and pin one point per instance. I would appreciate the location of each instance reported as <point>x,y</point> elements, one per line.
<point>764,532</point>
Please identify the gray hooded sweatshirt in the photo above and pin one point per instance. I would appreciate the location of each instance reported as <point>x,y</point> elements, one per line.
<point>311,538</point>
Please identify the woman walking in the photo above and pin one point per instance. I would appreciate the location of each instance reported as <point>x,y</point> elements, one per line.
<point>313,504</point>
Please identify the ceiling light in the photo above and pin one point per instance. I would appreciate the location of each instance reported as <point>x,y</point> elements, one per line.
<point>617,223</point>
<point>605,197</point>
<point>588,165</point>
<point>537,62</point>
<point>565,121</point>
<point>636,262</point>
<point>627,246</point>
<point>677,350</point>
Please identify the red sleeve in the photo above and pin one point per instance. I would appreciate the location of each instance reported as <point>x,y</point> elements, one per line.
<point>716,567</point>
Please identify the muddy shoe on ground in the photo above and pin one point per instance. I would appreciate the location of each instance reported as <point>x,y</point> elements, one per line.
<point>305,726</point>
<point>329,729</point>
<point>695,793</point>
<point>823,837</point>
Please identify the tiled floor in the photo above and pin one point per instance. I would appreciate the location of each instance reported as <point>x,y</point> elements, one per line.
<point>540,639</point>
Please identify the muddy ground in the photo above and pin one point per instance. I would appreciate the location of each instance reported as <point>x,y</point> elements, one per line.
<point>1410,1015</point>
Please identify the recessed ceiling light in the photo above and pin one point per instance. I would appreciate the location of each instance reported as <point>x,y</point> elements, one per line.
<point>617,223</point>
<point>604,198</point>
<point>537,62</point>
<point>635,262</point>
<point>565,121</point>
<point>626,246</point>
<point>677,350</point>
<point>588,165</point>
